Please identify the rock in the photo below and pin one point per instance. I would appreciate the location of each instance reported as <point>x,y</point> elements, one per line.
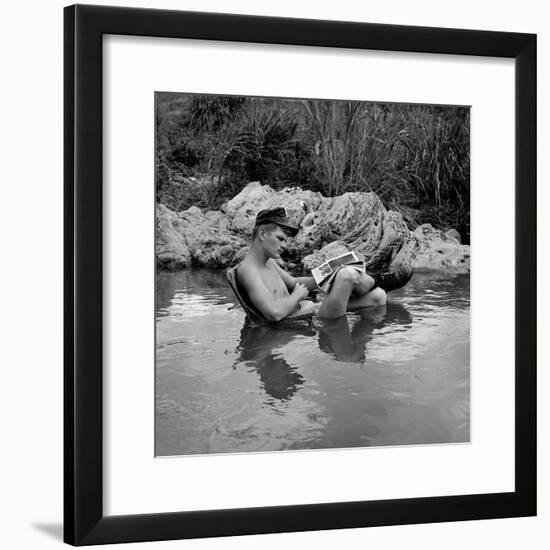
<point>454,234</point>
<point>328,227</point>
<point>197,238</point>
<point>242,208</point>
<point>431,249</point>
<point>347,217</point>
<point>170,244</point>
<point>210,240</point>
<point>381,254</point>
<point>361,222</point>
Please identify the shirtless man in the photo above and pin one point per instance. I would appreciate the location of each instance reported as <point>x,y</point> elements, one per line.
<point>277,294</point>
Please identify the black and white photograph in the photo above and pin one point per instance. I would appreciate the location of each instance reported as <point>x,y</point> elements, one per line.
<point>312,274</point>
<point>275,275</point>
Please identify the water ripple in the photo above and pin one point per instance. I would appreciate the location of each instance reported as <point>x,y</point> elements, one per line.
<point>390,376</point>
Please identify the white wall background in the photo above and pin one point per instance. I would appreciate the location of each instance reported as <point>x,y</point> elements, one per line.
<point>31,289</point>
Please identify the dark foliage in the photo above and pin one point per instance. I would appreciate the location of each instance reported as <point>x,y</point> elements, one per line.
<point>415,157</point>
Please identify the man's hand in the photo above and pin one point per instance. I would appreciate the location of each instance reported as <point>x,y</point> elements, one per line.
<point>308,307</point>
<point>300,291</point>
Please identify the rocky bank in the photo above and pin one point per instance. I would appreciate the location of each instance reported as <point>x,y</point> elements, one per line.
<point>328,226</point>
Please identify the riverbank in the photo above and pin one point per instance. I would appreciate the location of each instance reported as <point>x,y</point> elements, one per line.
<point>359,221</point>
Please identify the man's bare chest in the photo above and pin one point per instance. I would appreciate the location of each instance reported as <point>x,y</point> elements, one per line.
<point>273,282</point>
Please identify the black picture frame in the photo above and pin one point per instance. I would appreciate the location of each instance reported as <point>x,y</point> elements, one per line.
<point>84,522</point>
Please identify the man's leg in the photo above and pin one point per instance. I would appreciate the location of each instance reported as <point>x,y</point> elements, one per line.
<point>376,297</point>
<point>350,289</point>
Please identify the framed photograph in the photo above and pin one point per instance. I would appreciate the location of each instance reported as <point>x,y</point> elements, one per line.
<point>300,275</point>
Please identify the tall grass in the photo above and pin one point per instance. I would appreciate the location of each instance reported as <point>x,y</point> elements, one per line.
<point>415,157</point>
<point>335,125</point>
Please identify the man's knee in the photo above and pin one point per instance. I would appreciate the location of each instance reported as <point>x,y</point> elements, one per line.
<point>379,296</point>
<point>349,275</point>
<point>360,282</point>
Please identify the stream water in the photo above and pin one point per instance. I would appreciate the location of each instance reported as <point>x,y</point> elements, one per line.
<point>395,375</point>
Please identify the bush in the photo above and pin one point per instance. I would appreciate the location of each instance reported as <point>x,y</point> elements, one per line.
<point>415,157</point>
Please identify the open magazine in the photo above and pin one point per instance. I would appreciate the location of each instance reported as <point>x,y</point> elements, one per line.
<point>325,273</point>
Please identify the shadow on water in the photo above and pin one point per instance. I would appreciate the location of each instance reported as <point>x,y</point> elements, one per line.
<point>259,347</point>
<point>394,375</point>
<point>336,339</point>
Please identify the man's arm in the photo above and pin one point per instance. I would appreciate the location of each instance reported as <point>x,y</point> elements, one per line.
<point>290,281</point>
<point>308,282</point>
<point>274,309</point>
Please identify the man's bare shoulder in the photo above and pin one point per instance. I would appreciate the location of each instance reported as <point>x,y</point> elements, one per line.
<point>248,273</point>
<point>274,266</point>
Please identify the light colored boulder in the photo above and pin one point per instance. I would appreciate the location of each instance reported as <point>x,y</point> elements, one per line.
<point>454,234</point>
<point>210,240</point>
<point>328,227</point>
<point>242,208</point>
<point>195,238</point>
<point>171,247</point>
<point>361,223</point>
<point>431,249</point>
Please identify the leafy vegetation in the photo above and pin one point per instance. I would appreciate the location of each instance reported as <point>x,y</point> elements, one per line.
<point>416,158</point>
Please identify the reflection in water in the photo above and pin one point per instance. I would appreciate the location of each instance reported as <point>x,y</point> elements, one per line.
<point>336,338</point>
<point>393,375</point>
<point>201,284</point>
<point>259,346</point>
